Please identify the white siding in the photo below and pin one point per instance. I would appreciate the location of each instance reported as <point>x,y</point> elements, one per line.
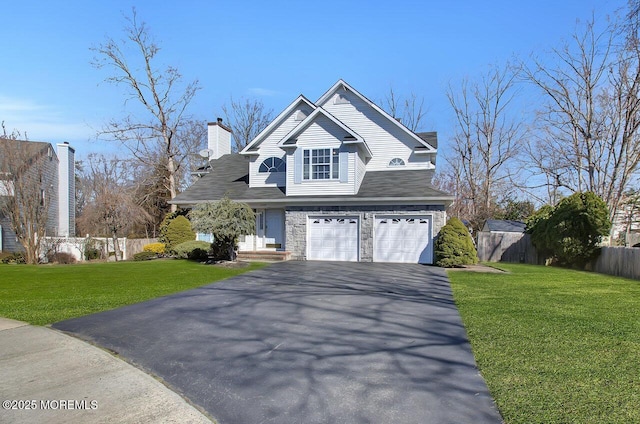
<point>265,179</point>
<point>383,137</point>
<point>322,133</point>
<point>66,190</point>
<point>269,148</point>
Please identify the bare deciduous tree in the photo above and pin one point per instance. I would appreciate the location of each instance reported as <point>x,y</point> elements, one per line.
<point>247,118</point>
<point>110,209</point>
<point>409,110</point>
<point>487,138</point>
<point>28,183</point>
<point>161,93</point>
<point>589,127</point>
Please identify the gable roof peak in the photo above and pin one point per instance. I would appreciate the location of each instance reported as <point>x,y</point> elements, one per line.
<point>343,84</point>
<point>277,121</point>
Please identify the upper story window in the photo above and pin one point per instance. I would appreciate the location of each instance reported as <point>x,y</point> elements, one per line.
<point>396,162</point>
<point>321,164</point>
<point>273,164</point>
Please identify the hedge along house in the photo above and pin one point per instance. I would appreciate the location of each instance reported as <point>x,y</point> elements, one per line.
<point>338,179</point>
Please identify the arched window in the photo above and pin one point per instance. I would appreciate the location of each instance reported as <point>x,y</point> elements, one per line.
<point>273,164</point>
<point>396,162</point>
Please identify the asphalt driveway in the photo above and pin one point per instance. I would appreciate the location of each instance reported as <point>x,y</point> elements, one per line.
<point>308,342</point>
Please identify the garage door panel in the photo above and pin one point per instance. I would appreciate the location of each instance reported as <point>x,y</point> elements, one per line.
<point>403,239</point>
<point>333,239</point>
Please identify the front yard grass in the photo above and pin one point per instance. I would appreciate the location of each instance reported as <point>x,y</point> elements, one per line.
<point>555,345</point>
<point>44,294</point>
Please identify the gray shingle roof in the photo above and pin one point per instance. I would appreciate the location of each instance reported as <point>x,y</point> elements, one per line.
<point>504,226</point>
<point>230,176</point>
<point>430,138</point>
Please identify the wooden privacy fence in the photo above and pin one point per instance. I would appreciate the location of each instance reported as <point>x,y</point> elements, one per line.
<point>506,247</point>
<point>619,261</point>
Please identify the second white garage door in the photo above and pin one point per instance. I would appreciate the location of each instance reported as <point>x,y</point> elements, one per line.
<point>333,239</point>
<point>399,238</point>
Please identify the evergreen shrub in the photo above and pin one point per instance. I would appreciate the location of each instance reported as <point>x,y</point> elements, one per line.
<point>454,246</point>
<point>195,250</point>
<point>178,231</point>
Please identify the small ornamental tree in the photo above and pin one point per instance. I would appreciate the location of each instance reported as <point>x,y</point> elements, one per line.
<point>178,231</point>
<point>573,230</point>
<point>454,246</point>
<point>226,220</point>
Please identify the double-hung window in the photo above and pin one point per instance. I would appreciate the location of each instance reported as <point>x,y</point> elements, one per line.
<point>321,164</point>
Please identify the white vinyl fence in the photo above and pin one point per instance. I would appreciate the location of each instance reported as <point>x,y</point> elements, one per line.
<point>78,246</point>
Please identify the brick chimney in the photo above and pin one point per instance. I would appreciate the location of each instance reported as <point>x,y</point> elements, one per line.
<point>218,139</point>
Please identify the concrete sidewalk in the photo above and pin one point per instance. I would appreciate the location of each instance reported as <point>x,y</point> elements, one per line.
<point>50,377</point>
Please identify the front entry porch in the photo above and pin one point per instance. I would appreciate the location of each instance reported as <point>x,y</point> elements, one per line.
<point>269,233</point>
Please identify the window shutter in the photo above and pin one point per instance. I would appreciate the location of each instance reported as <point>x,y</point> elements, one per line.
<point>344,167</point>
<point>297,166</point>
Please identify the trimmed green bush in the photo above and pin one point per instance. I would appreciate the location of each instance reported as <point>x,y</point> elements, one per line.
<point>178,231</point>
<point>195,250</point>
<point>164,226</point>
<point>157,248</point>
<point>144,256</point>
<point>454,246</point>
<point>571,232</point>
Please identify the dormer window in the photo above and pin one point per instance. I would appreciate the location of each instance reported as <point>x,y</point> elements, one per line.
<point>273,164</point>
<point>396,162</point>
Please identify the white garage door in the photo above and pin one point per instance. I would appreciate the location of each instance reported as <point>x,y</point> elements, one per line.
<point>403,239</point>
<point>333,239</point>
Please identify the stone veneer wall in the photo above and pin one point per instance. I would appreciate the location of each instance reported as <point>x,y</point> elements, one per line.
<point>296,223</point>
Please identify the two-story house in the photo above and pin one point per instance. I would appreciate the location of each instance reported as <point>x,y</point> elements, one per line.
<point>57,181</point>
<point>336,179</point>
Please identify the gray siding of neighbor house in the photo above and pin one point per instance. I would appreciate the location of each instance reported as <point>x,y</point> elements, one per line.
<point>9,243</point>
<point>51,187</point>
<point>296,224</point>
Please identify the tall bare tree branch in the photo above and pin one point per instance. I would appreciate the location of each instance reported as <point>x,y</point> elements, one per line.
<point>161,93</point>
<point>247,118</point>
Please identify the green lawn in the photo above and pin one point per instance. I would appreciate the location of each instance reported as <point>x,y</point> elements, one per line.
<point>555,345</point>
<point>43,294</point>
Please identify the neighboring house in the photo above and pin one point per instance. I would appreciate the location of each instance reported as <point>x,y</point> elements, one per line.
<point>336,179</point>
<point>504,226</point>
<point>60,175</point>
<point>626,222</point>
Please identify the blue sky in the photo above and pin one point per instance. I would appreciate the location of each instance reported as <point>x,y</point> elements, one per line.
<point>274,50</point>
